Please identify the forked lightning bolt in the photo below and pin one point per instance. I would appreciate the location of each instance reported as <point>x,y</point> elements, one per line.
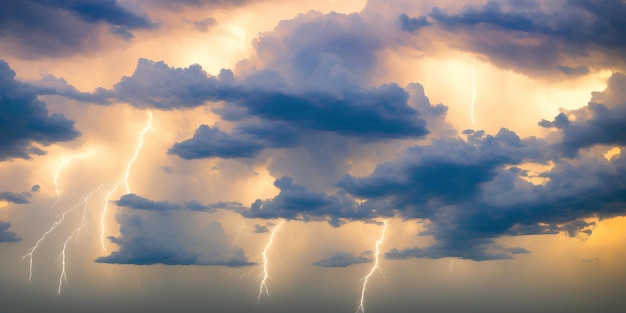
<point>84,203</point>
<point>55,178</point>
<point>124,180</point>
<point>263,286</point>
<point>375,267</point>
<point>74,235</point>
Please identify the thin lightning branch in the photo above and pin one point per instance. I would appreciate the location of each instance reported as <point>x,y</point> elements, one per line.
<point>263,286</point>
<point>365,279</point>
<point>31,251</point>
<point>139,145</point>
<point>450,271</point>
<point>74,235</point>
<point>55,178</point>
<point>473,94</point>
<point>124,180</point>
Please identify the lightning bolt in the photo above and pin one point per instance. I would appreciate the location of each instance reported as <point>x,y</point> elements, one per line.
<point>263,286</point>
<point>473,94</point>
<point>124,180</point>
<point>74,235</point>
<point>450,271</point>
<point>55,177</point>
<point>365,279</point>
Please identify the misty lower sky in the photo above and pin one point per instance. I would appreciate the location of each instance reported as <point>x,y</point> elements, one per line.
<point>313,156</point>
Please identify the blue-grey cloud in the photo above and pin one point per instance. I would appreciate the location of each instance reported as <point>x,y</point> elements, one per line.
<point>17,198</point>
<point>412,24</point>
<point>34,28</point>
<point>173,239</point>
<point>210,142</point>
<point>25,119</point>
<point>35,188</point>
<point>345,259</point>
<point>133,201</point>
<point>596,123</point>
<point>259,229</point>
<point>573,29</point>
<point>7,236</point>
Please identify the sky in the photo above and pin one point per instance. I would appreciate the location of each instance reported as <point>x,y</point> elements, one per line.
<point>312,156</point>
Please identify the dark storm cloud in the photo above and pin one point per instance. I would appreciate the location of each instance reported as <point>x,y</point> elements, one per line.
<point>57,28</point>
<point>412,24</point>
<point>7,236</point>
<point>17,198</point>
<point>147,238</point>
<point>296,202</point>
<point>259,229</point>
<point>133,201</point>
<point>447,172</point>
<point>532,38</point>
<point>596,123</point>
<point>210,142</point>
<point>24,119</point>
<point>155,84</point>
<point>344,259</point>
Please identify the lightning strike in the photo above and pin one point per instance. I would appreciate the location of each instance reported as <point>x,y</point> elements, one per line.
<point>263,286</point>
<point>473,94</point>
<point>124,180</point>
<point>365,279</point>
<point>450,271</point>
<point>74,235</point>
<point>55,177</point>
<point>31,251</point>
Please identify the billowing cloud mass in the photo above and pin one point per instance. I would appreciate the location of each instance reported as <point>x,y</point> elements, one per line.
<point>7,236</point>
<point>475,130</point>
<point>17,198</point>
<point>540,36</point>
<point>148,238</point>
<point>34,28</point>
<point>25,120</point>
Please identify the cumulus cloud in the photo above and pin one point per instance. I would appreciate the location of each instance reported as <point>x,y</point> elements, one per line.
<point>7,236</point>
<point>135,202</point>
<point>596,123</point>
<point>17,198</point>
<point>25,120</point>
<point>530,37</point>
<point>412,24</point>
<point>174,239</point>
<point>345,259</point>
<point>210,142</point>
<point>35,28</point>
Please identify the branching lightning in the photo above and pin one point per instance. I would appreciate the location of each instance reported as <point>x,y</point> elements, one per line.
<point>263,286</point>
<point>124,180</point>
<point>74,235</point>
<point>55,178</point>
<point>473,94</point>
<point>375,267</point>
<point>83,204</point>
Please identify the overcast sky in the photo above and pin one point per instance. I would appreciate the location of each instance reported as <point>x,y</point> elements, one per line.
<point>151,150</point>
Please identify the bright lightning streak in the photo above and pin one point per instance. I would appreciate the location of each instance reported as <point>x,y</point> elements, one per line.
<point>137,149</point>
<point>31,251</point>
<point>473,94</point>
<point>365,279</point>
<point>55,178</point>
<point>74,235</point>
<point>450,271</point>
<point>263,286</point>
<point>124,180</point>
